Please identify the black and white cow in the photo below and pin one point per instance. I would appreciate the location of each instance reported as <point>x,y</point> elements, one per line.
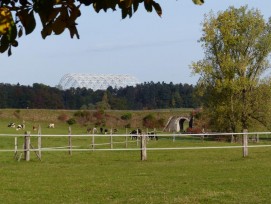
<point>135,133</point>
<point>11,125</point>
<point>152,135</point>
<point>20,127</point>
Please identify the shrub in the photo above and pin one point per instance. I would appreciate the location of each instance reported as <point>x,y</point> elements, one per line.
<point>126,116</point>
<point>71,121</point>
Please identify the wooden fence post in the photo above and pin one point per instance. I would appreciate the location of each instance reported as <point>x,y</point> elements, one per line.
<point>111,139</point>
<point>137,140</point>
<point>70,140</point>
<point>126,139</point>
<point>27,146</point>
<point>93,140</point>
<point>245,143</point>
<point>257,138</point>
<point>15,147</point>
<point>39,141</point>
<point>232,138</point>
<point>143,147</point>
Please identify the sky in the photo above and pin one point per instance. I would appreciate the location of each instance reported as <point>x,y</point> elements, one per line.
<point>145,46</point>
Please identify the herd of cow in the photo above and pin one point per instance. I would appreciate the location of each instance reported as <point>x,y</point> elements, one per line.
<point>22,126</point>
<point>135,134</point>
<point>18,127</point>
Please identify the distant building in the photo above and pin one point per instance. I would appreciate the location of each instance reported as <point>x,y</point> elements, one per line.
<point>96,81</point>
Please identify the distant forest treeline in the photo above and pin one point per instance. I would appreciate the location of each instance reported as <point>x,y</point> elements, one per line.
<point>144,96</point>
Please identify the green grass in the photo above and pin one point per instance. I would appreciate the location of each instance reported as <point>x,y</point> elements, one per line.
<point>177,176</point>
<point>168,176</point>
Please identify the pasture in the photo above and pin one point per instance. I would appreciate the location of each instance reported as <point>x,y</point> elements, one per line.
<point>168,176</point>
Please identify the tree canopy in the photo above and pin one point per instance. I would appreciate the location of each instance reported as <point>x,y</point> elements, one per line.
<point>18,16</point>
<point>143,96</point>
<point>237,44</point>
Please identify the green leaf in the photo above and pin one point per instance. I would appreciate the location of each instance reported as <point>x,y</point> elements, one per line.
<point>148,5</point>
<point>28,20</point>
<point>20,32</point>
<point>9,51</point>
<point>59,25</point>
<point>157,8</point>
<point>4,43</point>
<point>14,43</point>
<point>47,30</point>
<point>73,31</point>
<point>135,5</point>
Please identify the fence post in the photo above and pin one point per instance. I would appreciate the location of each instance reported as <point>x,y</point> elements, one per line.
<point>39,141</point>
<point>93,140</point>
<point>143,148</point>
<point>173,138</point>
<point>232,138</point>
<point>27,146</point>
<point>137,140</point>
<point>111,139</point>
<point>70,140</point>
<point>15,147</point>
<point>245,143</point>
<point>126,139</point>
<point>257,138</point>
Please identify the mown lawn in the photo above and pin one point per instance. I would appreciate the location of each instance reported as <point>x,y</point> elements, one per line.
<point>168,176</point>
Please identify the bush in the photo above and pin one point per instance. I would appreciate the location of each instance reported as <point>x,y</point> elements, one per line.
<point>126,116</point>
<point>71,121</point>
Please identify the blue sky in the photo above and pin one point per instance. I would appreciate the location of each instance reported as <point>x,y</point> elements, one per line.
<point>146,46</point>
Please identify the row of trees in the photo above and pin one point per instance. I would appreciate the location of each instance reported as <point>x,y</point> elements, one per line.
<point>144,96</point>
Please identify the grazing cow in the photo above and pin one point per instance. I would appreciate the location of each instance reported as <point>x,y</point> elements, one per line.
<point>94,130</point>
<point>19,127</point>
<point>135,133</point>
<point>101,130</point>
<point>34,128</point>
<point>115,130</point>
<point>105,131</point>
<point>11,125</point>
<point>152,135</point>
<point>51,125</point>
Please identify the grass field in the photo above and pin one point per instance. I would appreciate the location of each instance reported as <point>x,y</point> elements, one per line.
<point>168,176</point>
<point>176,176</point>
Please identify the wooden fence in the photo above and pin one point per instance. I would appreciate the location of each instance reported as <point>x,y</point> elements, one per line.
<point>141,139</point>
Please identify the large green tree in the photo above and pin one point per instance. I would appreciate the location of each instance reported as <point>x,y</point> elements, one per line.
<point>18,16</point>
<point>236,43</point>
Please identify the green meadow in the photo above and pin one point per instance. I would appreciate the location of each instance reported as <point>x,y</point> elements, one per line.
<point>168,176</point>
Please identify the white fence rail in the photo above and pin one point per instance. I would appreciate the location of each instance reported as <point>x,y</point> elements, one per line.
<point>141,139</point>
